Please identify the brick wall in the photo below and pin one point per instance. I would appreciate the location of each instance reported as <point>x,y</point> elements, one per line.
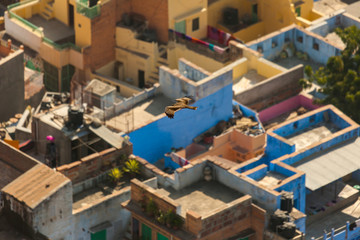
<point>234,212</point>
<point>155,12</point>
<point>139,191</point>
<point>102,38</point>
<point>93,164</point>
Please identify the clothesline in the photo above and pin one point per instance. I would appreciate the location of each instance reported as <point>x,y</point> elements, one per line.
<point>211,46</point>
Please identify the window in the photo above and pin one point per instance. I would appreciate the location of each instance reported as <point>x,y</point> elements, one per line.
<point>195,24</point>
<point>274,44</point>
<point>300,39</point>
<point>298,11</point>
<point>145,232</point>
<point>101,235</point>
<point>161,237</point>
<point>316,46</point>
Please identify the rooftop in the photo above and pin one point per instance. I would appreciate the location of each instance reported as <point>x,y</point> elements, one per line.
<point>247,80</point>
<point>271,179</point>
<point>54,29</point>
<point>99,88</point>
<point>293,61</point>
<point>93,195</point>
<point>35,185</point>
<point>324,167</point>
<point>141,114</point>
<point>312,134</point>
<point>202,197</point>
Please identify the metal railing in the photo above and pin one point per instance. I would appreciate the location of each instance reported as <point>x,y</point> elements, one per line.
<point>22,20</point>
<point>61,46</point>
<point>82,7</point>
<point>39,30</point>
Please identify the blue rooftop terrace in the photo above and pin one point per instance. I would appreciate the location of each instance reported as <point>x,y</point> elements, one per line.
<point>291,43</point>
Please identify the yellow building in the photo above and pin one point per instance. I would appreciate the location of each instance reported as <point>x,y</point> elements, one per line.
<point>89,37</point>
<point>248,20</point>
<point>61,31</point>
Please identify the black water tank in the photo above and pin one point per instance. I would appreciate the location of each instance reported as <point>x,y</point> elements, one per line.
<point>230,16</point>
<point>287,230</point>
<point>286,201</point>
<point>277,219</point>
<point>76,116</point>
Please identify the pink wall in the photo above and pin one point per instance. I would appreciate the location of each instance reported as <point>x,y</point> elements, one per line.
<point>286,106</point>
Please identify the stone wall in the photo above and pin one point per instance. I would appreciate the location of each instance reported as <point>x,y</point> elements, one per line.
<point>272,90</point>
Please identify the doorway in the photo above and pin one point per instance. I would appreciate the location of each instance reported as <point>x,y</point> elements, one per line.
<point>254,13</point>
<point>141,78</point>
<point>71,15</point>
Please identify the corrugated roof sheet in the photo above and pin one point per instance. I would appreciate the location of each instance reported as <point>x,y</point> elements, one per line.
<point>327,166</point>
<point>35,185</point>
<point>108,136</point>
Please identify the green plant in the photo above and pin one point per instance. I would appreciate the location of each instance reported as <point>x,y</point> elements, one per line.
<point>151,208</point>
<point>132,167</point>
<point>161,217</point>
<point>177,222</point>
<point>170,216</point>
<point>115,175</point>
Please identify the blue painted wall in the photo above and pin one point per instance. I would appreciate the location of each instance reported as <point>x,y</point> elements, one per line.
<point>190,72</point>
<point>152,141</point>
<point>251,165</point>
<point>258,174</point>
<point>323,146</point>
<point>314,119</point>
<point>320,56</point>
<point>276,148</point>
<point>329,25</point>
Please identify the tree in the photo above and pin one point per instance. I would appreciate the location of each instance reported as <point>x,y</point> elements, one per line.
<point>339,80</point>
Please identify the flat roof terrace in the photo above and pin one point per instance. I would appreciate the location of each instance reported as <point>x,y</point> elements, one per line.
<point>54,29</point>
<point>202,197</point>
<point>247,80</point>
<point>141,114</point>
<point>271,179</point>
<point>293,61</point>
<point>312,134</point>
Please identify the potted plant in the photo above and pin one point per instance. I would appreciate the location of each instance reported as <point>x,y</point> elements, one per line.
<point>151,207</point>
<point>115,175</point>
<point>161,217</point>
<point>132,167</point>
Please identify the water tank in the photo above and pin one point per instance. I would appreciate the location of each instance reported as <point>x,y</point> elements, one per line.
<point>277,219</point>
<point>75,116</point>
<point>287,230</point>
<point>286,201</point>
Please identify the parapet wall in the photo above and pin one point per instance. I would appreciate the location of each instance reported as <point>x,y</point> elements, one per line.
<point>272,90</point>
<point>95,163</point>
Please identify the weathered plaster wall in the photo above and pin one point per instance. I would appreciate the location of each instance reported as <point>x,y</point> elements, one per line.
<point>107,209</point>
<point>12,85</point>
<point>53,217</point>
